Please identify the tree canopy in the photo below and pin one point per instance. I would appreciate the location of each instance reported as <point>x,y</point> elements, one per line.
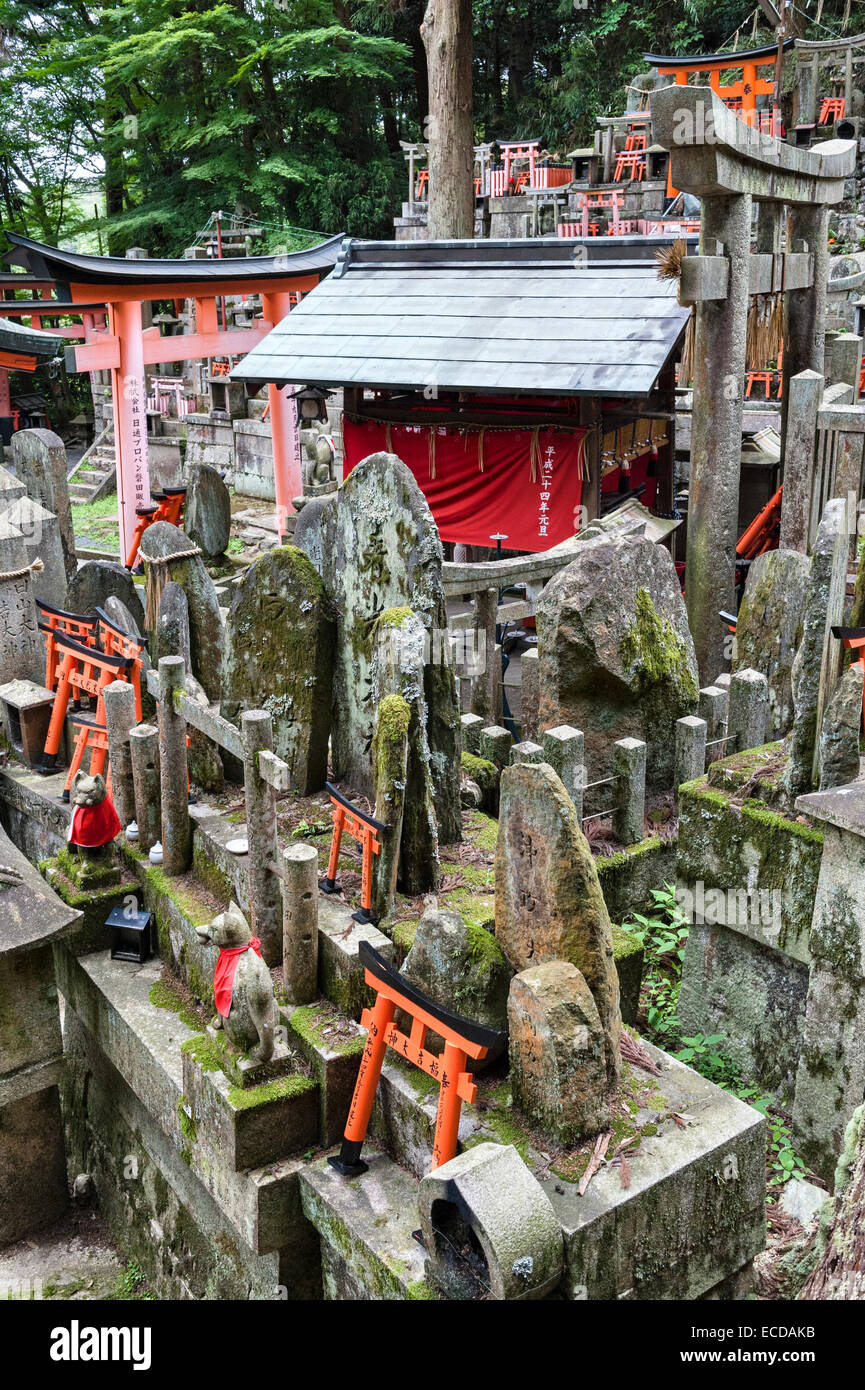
<point>290,111</point>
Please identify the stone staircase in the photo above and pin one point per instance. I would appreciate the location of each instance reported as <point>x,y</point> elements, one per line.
<point>94,475</point>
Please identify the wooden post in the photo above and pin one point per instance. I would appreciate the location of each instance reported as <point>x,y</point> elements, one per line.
<point>120,719</point>
<point>716,431</point>
<point>264,896</point>
<point>174,777</point>
<point>806,309</point>
<point>144,753</point>
<point>803,402</point>
<point>287,472</point>
<point>590,419</point>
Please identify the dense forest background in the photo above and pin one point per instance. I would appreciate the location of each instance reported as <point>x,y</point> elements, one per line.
<point>134,121</point>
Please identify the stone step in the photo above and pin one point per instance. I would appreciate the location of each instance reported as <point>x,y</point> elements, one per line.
<point>368,1251</point>
<point>82,492</point>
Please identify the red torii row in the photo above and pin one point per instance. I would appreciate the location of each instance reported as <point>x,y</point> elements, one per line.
<point>86,285</point>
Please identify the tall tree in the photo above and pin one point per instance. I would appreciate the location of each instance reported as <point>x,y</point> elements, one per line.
<point>447,36</point>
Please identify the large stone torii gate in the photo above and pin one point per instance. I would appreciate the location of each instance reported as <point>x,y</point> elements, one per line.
<point>729,165</point>
<point>87,282</point>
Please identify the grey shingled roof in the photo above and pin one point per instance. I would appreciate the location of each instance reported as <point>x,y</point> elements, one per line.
<point>479,316</point>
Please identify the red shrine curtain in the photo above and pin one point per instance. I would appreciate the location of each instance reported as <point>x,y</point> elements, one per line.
<point>530,492</point>
<point>637,474</point>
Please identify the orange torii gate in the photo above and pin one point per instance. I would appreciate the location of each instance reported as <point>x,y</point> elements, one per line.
<point>89,283</point>
<point>746,90</point>
<point>462,1039</point>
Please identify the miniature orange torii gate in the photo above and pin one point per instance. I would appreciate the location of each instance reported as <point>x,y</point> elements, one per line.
<point>366,830</point>
<point>746,90</point>
<point>127,348</point>
<point>462,1039</point>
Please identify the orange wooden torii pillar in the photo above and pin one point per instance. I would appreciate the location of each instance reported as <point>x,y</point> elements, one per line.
<point>462,1039</point>
<point>126,349</point>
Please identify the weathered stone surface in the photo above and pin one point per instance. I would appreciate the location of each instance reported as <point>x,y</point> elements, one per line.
<point>839,734</point>
<point>307,529</point>
<point>207,515</point>
<point>278,655</point>
<point>769,630</point>
<point>39,462</point>
<point>830,1081</point>
<point>397,668</point>
<point>549,904</point>
<point>159,543</point>
<point>33,1191</point>
<point>381,550</point>
<point>818,660</point>
<point>41,531</point>
<point>120,615</point>
<point>300,923</point>
<point>840,1269</point>
<point>461,967</point>
<point>390,752</point>
<point>22,650</point>
<point>10,488</point>
<point>96,581</point>
<point>556,1050</point>
<point>172,625</point>
<point>617,658</point>
<point>490,1193</point>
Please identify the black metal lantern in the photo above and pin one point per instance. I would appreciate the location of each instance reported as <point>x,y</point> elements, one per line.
<point>131,934</point>
<point>311,405</point>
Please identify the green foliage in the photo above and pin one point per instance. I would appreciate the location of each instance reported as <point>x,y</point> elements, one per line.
<point>663,936</point>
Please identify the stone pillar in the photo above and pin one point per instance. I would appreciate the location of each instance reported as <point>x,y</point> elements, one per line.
<point>484,685</point>
<point>144,756</point>
<point>494,745</point>
<point>174,781</point>
<point>120,720</point>
<point>831,1075</point>
<point>802,395</point>
<point>471,725</point>
<point>563,750</point>
<point>713,709</point>
<point>843,360</point>
<point>264,897</point>
<point>300,923</point>
<point>629,766</point>
<point>526,752</point>
<point>690,751</point>
<point>530,693</point>
<point>716,432</point>
<point>390,771</point>
<point>806,309</point>
<point>22,650</point>
<point>749,709</point>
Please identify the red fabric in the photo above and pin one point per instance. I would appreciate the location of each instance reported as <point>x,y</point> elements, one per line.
<point>93,826</point>
<point>223,976</point>
<point>470,506</point>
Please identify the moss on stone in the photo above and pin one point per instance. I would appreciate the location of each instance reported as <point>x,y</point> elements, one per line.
<point>284,1088</point>
<point>308,1022</point>
<point>203,1051</point>
<point>186,1121</point>
<point>208,872</point>
<point>419,1290</point>
<point>484,950</point>
<point>481,830</point>
<point>163,996</point>
<point>624,945</point>
<point>656,649</point>
<point>394,617</point>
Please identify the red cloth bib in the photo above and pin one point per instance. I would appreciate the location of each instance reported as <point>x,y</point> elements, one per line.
<point>93,826</point>
<point>223,977</point>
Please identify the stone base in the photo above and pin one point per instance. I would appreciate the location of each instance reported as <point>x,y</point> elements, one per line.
<point>334,1062</point>
<point>33,1191</point>
<point>691,1218</point>
<point>244,1071</point>
<point>248,1127</point>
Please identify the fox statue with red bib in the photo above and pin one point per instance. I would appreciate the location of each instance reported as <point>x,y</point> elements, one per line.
<point>242,985</point>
